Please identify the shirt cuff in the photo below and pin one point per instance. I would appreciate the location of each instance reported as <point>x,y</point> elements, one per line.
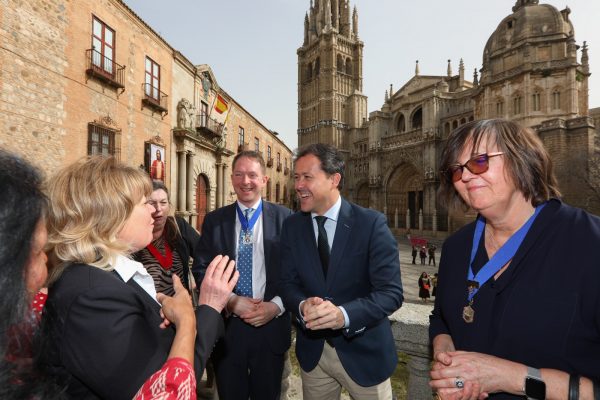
<point>277,300</point>
<point>346,319</point>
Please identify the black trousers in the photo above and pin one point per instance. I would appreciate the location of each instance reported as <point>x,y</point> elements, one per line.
<point>245,365</point>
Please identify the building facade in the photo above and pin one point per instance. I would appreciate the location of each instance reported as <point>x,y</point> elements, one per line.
<point>533,72</point>
<point>91,77</point>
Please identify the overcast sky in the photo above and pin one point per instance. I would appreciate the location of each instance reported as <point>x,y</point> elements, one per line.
<point>251,44</point>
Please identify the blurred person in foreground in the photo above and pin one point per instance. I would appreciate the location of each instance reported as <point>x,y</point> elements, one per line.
<point>103,327</point>
<point>515,315</point>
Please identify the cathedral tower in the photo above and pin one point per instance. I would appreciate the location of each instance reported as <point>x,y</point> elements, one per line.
<point>330,100</point>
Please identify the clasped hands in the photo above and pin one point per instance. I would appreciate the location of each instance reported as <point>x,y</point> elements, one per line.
<point>462,375</point>
<point>255,312</point>
<point>321,314</point>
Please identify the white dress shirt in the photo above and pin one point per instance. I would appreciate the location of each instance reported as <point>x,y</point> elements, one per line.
<point>128,268</point>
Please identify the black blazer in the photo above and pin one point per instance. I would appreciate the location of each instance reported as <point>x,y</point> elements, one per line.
<point>363,277</point>
<point>101,336</point>
<point>544,310</point>
<point>218,237</point>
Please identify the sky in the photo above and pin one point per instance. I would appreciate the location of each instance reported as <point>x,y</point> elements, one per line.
<point>251,44</point>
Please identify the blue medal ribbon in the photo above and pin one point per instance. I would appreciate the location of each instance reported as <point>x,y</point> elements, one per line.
<point>248,225</point>
<point>502,256</point>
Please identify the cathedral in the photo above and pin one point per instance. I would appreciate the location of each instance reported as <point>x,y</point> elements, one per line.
<point>533,72</point>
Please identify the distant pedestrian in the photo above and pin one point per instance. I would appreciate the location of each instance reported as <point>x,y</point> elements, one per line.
<point>423,254</point>
<point>414,254</point>
<point>434,282</point>
<point>431,252</point>
<point>424,285</point>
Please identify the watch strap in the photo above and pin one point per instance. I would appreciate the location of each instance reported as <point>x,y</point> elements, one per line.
<point>534,373</point>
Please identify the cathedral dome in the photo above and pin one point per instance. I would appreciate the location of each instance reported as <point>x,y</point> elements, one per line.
<point>529,23</point>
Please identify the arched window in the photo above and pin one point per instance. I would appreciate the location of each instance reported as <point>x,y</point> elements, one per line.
<point>536,104</point>
<point>348,66</point>
<point>517,105</point>
<point>417,118</point>
<point>470,118</point>
<point>556,99</point>
<point>463,121</point>
<point>500,108</point>
<point>401,124</point>
<point>454,124</point>
<point>340,63</point>
<point>447,128</point>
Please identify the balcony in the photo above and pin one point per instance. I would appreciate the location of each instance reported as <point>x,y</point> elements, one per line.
<point>207,126</point>
<point>270,163</point>
<point>104,69</point>
<point>279,167</point>
<point>155,99</point>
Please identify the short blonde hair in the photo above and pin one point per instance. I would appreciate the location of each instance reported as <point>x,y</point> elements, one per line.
<point>90,201</point>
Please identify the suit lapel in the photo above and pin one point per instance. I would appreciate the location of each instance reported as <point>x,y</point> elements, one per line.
<point>229,231</point>
<point>268,222</point>
<point>340,240</point>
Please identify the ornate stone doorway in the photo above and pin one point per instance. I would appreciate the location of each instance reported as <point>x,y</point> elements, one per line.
<point>362,195</point>
<point>202,190</point>
<point>404,192</point>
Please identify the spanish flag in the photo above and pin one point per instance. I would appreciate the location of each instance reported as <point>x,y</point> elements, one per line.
<point>220,105</point>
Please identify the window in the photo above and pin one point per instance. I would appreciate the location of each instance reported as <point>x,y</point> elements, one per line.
<point>241,137</point>
<point>517,105</point>
<point>401,125</point>
<point>348,66</point>
<point>102,140</point>
<point>277,193</point>
<point>268,152</point>
<point>103,46</point>
<point>556,100</point>
<point>535,102</point>
<point>278,158</point>
<point>204,115</point>
<point>256,144</point>
<point>152,87</point>
<point>499,108</point>
<point>339,63</point>
<point>417,119</point>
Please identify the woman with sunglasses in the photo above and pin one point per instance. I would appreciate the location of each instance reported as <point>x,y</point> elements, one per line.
<point>515,314</point>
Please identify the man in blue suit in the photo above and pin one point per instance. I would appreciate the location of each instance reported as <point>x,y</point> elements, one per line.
<point>341,278</point>
<point>249,359</point>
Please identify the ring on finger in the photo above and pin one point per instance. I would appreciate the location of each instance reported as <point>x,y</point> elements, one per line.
<point>459,383</point>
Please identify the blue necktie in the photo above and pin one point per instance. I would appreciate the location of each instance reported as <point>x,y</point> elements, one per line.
<point>244,260</point>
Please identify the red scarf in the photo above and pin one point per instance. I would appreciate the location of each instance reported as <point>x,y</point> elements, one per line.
<point>165,261</point>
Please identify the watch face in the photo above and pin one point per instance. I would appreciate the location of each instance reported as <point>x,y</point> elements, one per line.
<point>535,389</point>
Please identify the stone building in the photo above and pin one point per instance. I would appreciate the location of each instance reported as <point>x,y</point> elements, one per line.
<point>91,77</point>
<point>533,72</point>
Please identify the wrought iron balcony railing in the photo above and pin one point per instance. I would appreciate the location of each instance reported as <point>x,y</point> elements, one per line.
<point>103,68</point>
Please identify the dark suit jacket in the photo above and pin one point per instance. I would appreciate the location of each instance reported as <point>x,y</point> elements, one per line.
<point>218,237</point>
<point>544,310</point>
<point>363,277</point>
<point>101,336</point>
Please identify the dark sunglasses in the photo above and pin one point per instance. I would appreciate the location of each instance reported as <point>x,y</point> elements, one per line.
<point>477,165</point>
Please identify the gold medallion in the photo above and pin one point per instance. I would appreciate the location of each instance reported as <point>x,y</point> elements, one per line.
<point>468,314</point>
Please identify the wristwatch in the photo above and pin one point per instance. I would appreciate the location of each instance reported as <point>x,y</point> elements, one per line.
<point>534,387</point>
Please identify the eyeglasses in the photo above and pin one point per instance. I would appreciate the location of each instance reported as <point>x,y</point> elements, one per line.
<point>477,165</point>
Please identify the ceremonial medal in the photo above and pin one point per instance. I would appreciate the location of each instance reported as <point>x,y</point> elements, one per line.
<point>247,237</point>
<point>468,313</point>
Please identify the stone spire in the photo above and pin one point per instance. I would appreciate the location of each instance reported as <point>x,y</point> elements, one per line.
<point>335,14</point>
<point>345,18</point>
<point>328,26</point>
<point>355,23</point>
<point>306,28</point>
<point>585,61</point>
<point>391,90</point>
<point>387,98</point>
<point>417,68</point>
<point>475,79</point>
<point>461,73</point>
<point>449,70</point>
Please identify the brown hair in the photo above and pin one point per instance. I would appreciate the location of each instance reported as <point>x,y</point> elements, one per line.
<point>527,162</point>
<point>171,233</point>
<point>254,155</point>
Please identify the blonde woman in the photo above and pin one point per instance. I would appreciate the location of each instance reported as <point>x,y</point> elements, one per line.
<point>104,329</point>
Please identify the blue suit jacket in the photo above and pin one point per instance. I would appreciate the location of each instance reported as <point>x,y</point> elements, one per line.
<point>363,277</point>
<point>218,237</point>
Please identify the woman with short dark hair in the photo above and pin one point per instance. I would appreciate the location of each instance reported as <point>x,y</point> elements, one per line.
<point>517,313</point>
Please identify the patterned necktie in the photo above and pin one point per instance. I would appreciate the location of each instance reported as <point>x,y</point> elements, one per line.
<point>244,259</point>
<point>322,243</point>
